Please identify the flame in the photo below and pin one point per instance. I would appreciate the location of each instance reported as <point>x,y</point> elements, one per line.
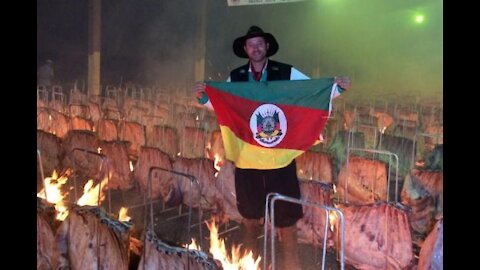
<point>234,260</point>
<point>218,161</point>
<point>53,193</point>
<point>131,165</point>
<point>332,219</point>
<point>193,245</point>
<point>90,194</point>
<point>99,150</point>
<point>122,214</point>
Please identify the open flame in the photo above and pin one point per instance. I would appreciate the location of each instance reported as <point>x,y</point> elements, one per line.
<point>230,261</point>
<point>53,193</point>
<point>218,162</point>
<point>332,219</point>
<point>130,163</point>
<point>91,193</point>
<point>122,214</point>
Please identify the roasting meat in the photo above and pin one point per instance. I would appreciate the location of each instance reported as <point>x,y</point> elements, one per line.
<point>162,182</point>
<point>107,130</point>
<point>53,122</point>
<point>315,166</point>
<point>376,236</point>
<point>165,138</point>
<point>431,254</point>
<point>84,163</point>
<point>192,142</point>
<point>362,181</point>
<point>50,151</point>
<point>423,192</point>
<point>47,253</point>
<point>135,134</point>
<point>159,255</point>
<point>311,228</point>
<point>206,193</point>
<point>225,184</point>
<point>90,239</point>
<point>80,123</point>
<point>120,176</point>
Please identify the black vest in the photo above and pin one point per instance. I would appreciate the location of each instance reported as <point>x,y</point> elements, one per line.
<point>275,71</point>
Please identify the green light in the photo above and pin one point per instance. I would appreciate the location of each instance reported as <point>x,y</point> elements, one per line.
<point>419,18</point>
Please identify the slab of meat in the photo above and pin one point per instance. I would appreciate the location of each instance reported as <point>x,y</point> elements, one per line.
<point>47,253</point>
<point>364,181</point>
<point>215,148</point>
<point>85,164</point>
<point>311,228</point>
<point>119,167</point>
<point>50,151</point>
<point>315,166</point>
<point>376,236</point>
<point>423,192</point>
<point>159,255</point>
<point>165,138</point>
<point>53,122</point>
<point>107,130</point>
<point>135,134</point>
<point>162,182</point>
<point>90,239</point>
<point>192,142</point>
<point>80,123</point>
<point>431,253</point>
<point>225,184</point>
<point>208,196</point>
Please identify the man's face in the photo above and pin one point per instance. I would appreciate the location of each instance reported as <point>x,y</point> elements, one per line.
<point>256,48</point>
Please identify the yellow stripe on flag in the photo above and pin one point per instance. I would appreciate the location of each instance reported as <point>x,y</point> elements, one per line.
<point>248,156</point>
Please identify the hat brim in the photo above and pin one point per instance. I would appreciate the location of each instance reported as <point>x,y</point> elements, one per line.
<point>269,38</point>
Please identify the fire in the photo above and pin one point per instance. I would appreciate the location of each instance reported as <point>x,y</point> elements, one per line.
<point>54,194</point>
<point>90,194</point>
<point>122,214</point>
<point>218,161</point>
<point>332,219</point>
<point>131,165</point>
<point>193,245</point>
<point>234,260</point>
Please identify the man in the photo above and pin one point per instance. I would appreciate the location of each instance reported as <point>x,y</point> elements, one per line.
<point>45,74</point>
<point>253,185</point>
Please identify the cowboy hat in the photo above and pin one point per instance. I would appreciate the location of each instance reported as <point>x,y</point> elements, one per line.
<point>254,31</point>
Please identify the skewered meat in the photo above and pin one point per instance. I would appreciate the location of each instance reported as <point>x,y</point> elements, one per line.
<point>162,182</point>
<point>90,239</point>
<point>431,253</point>
<point>362,181</point>
<point>315,166</point>
<point>377,236</point>
<point>159,255</point>
<point>311,228</point>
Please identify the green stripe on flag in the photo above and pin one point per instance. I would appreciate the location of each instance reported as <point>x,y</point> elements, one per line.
<point>313,93</point>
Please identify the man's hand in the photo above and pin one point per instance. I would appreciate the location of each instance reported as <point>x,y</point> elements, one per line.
<point>343,82</point>
<point>199,89</point>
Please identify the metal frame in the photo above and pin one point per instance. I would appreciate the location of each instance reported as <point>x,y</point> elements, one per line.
<point>382,152</point>
<point>270,215</point>
<point>103,159</point>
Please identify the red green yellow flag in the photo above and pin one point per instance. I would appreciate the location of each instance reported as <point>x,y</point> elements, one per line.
<point>265,125</point>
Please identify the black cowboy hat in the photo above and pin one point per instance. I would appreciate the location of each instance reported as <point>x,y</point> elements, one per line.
<point>254,31</point>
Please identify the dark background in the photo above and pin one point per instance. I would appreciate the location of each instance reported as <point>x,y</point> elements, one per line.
<point>375,42</point>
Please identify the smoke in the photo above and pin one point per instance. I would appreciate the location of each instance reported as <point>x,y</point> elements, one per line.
<point>375,42</point>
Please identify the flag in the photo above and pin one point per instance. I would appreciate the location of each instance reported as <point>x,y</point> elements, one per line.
<point>265,125</point>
